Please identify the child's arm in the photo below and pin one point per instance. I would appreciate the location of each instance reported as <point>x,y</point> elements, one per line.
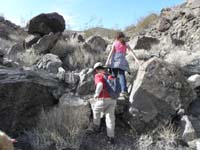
<point>98,89</point>
<point>110,54</point>
<point>133,54</point>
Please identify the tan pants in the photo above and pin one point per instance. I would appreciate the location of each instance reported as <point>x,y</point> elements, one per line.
<point>106,106</point>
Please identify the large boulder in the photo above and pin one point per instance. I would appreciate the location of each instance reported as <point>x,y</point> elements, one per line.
<point>45,43</point>
<point>46,23</point>
<point>23,95</point>
<point>159,91</point>
<point>50,63</point>
<point>97,43</point>
<point>143,42</point>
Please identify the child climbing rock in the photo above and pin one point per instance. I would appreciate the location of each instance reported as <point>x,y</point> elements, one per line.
<point>117,61</point>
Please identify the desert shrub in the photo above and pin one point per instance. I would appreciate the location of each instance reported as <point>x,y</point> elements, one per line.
<point>82,57</point>
<point>28,58</point>
<point>60,127</point>
<point>142,24</point>
<point>164,138</point>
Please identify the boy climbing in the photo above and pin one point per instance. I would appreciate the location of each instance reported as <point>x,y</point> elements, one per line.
<point>103,103</point>
<point>117,61</point>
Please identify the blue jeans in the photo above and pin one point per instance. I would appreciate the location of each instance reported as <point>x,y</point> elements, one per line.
<point>122,78</point>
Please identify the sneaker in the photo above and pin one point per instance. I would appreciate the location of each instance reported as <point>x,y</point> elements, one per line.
<point>124,94</point>
<point>111,140</point>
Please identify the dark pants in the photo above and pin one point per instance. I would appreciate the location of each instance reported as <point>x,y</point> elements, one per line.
<point>122,78</point>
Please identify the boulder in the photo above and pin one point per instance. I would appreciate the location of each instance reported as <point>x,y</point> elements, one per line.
<point>163,24</point>
<point>23,95</point>
<point>30,40</point>
<point>158,92</point>
<point>194,81</point>
<point>46,23</point>
<point>50,63</point>
<point>97,43</point>
<point>189,133</point>
<point>46,43</point>
<point>144,42</point>
<point>86,84</point>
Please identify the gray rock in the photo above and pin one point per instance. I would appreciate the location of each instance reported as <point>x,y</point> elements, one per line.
<point>23,95</point>
<point>97,43</point>
<point>46,23</point>
<point>194,81</point>
<point>86,85</point>
<point>61,73</point>
<point>189,133</point>
<point>159,90</point>
<point>30,40</point>
<point>163,24</point>
<point>144,42</point>
<point>188,61</point>
<point>46,43</point>
<point>50,63</point>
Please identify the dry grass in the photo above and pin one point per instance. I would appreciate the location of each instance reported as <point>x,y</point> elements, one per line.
<point>82,57</point>
<point>168,133</point>
<point>103,32</point>
<point>142,24</point>
<point>164,138</point>
<point>28,58</point>
<point>60,127</point>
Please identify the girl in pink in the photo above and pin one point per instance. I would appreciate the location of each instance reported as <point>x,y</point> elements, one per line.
<point>117,60</point>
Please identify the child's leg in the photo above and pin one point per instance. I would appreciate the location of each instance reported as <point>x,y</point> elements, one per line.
<point>115,72</point>
<point>122,79</point>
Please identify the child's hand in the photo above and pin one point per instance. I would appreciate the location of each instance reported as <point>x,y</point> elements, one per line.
<point>138,62</point>
<point>95,96</point>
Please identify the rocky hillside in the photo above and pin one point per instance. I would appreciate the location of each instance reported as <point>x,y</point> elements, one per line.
<point>10,34</point>
<point>174,37</point>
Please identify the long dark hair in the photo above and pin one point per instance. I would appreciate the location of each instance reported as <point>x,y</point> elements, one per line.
<point>121,37</point>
